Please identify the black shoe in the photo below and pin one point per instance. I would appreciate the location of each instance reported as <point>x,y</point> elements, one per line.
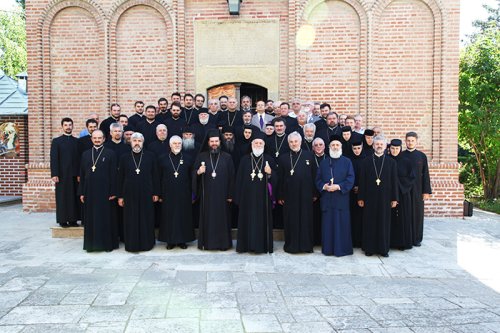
<point>368,254</point>
<point>183,246</point>
<point>418,244</point>
<point>64,225</point>
<point>73,224</point>
<point>385,255</point>
<point>170,246</point>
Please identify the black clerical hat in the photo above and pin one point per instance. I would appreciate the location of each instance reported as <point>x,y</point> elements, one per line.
<point>258,135</point>
<point>396,142</point>
<point>248,127</point>
<point>187,129</point>
<point>227,129</point>
<point>346,129</point>
<point>356,143</point>
<point>202,110</point>
<point>270,124</point>
<point>336,138</point>
<point>128,128</point>
<point>369,132</point>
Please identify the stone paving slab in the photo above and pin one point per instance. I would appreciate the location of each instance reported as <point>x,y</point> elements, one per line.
<point>450,284</point>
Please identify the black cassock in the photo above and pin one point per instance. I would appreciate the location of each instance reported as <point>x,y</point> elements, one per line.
<point>64,163</point>
<point>402,215</point>
<point>84,144</point>
<point>377,198</point>
<point>255,220</point>
<point>148,130</point>
<point>214,231</point>
<point>176,224</point>
<point>175,126</point>
<point>356,211</point>
<point>137,190</point>
<point>421,185</point>
<point>317,208</point>
<point>101,228</point>
<point>297,191</point>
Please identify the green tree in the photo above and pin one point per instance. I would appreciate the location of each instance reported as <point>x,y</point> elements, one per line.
<point>479,109</point>
<point>13,57</point>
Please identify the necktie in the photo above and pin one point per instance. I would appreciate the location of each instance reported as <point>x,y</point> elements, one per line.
<point>261,121</point>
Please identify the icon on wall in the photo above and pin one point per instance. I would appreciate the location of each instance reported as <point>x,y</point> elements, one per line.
<point>9,140</point>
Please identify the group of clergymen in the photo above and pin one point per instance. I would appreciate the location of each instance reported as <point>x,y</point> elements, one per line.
<point>217,168</point>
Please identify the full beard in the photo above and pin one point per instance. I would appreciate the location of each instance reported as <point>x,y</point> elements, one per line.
<point>188,144</point>
<point>137,149</point>
<point>229,144</point>
<point>214,151</point>
<point>257,151</point>
<point>335,153</point>
<point>204,121</point>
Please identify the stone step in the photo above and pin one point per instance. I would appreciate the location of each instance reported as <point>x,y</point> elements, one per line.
<point>77,232</point>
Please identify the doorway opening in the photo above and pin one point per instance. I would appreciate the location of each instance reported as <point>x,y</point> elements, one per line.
<point>238,90</point>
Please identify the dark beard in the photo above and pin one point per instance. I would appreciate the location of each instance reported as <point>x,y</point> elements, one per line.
<point>215,151</point>
<point>229,145</point>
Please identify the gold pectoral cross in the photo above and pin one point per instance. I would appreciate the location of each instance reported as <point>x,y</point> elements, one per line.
<point>378,181</point>
<point>93,168</point>
<point>176,174</point>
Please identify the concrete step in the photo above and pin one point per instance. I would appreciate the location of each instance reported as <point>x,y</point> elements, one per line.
<point>77,232</point>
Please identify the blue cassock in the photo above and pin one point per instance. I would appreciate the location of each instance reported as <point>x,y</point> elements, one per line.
<point>336,218</point>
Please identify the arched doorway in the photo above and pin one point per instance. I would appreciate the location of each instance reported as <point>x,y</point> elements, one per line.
<point>238,90</point>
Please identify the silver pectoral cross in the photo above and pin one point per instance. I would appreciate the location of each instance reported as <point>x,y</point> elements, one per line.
<point>176,174</point>
<point>93,168</point>
<point>137,170</point>
<point>378,181</point>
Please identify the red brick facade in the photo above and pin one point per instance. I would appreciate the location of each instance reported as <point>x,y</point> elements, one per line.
<point>13,174</point>
<point>393,61</point>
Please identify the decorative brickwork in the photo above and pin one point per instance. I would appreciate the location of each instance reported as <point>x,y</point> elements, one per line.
<point>393,61</point>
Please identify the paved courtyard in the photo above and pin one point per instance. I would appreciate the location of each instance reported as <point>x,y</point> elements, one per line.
<point>450,284</point>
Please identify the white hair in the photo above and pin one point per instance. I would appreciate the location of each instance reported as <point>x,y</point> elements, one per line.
<point>310,126</point>
<point>175,138</point>
<point>294,134</point>
<point>137,135</point>
<point>317,140</point>
<point>161,126</point>
<point>115,125</point>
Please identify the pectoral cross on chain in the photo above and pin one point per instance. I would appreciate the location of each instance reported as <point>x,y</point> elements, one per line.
<point>378,181</point>
<point>137,170</point>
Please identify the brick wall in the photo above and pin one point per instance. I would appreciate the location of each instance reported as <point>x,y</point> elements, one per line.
<point>394,61</point>
<point>13,174</point>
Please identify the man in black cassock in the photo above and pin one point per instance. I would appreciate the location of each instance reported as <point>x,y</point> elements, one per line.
<point>176,224</point>
<point>232,117</point>
<point>213,181</point>
<point>189,112</point>
<point>138,189</point>
<point>255,220</point>
<point>85,142</point>
<point>402,214</point>
<point>147,127</point>
<point>201,128</point>
<point>332,128</point>
<point>422,186</point>
<point>97,190</point>
<point>116,143</point>
<point>175,123</point>
<point>64,170</point>
<point>138,116</point>
<point>357,157</point>
<point>296,192</point>
<point>277,145</point>
<point>190,147</point>
<point>113,118</point>
<point>318,147</point>
<point>160,146</point>
<point>377,193</point>
<point>308,137</point>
